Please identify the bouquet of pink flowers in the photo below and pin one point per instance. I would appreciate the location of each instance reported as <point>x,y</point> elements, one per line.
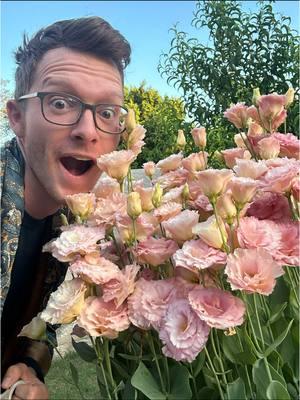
<point>188,287</point>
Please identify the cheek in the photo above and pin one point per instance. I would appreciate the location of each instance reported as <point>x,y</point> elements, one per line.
<point>106,145</point>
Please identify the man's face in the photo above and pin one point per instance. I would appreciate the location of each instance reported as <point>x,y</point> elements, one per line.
<point>54,153</point>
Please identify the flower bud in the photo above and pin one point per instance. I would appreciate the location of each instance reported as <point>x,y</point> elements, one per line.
<point>149,168</point>
<point>268,147</point>
<point>211,232</point>
<point>256,95</point>
<point>218,156</point>
<point>226,208</point>
<point>134,205</point>
<point>289,97</point>
<point>81,204</point>
<point>157,195</point>
<point>130,122</point>
<point>199,136</point>
<point>181,142</point>
<point>240,139</point>
<point>185,192</point>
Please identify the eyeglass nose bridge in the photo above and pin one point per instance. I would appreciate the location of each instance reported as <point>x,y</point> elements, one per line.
<point>86,106</point>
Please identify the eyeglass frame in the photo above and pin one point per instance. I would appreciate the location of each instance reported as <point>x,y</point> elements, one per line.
<point>84,106</point>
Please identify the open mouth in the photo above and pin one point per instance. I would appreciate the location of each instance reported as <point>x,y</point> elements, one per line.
<point>76,166</point>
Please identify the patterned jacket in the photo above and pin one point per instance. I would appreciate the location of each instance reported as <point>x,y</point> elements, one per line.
<point>51,272</point>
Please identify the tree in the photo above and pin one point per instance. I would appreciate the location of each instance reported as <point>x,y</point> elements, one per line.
<point>161,116</point>
<point>248,50</point>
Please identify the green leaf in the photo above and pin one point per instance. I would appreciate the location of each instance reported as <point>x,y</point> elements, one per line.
<point>179,383</point>
<point>207,393</point>
<point>261,377</point>
<point>143,380</point>
<point>276,391</point>
<point>236,390</point>
<point>74,374</point>
<point>278,340</point>
<point>197,364</point>
<point>86,352</point>
<point>277,312</point>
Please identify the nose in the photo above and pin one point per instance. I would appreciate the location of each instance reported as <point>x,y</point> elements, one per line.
<point>85,129</point>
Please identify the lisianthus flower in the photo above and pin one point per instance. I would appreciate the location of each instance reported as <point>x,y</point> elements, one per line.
<point>170,163</point>
<point>149,168</point>
<point>173,195</point>
<point>240,139</point>
<point>289,248</point>
<point>167,211</point>
<point>145,224</point>
<point>148,303</point>
<point>100,318</point>
<point>97,270</point>
<point>108,210</point>
<point>271,110</point>
<point>66,303</point>
<point>254,129</point>
<point>180,227</point>
<point>105,187</point>
<point>199,136</point>
<point>121,285</point>
<point>81,204</point>
<point>195,162</point>
<point>183,333</point>
<point>218,308</point>
<point>270,206</point>
<point>237,114</point>
<point>268,147</point>
<point>135,139</point>
<point>197,254</point>
<point>253,271</point>
<point>231,155</point>
<point>209,232</point>
<point>173,179</point>
<point>145,195</point>
<point>116,164</point>
<point>289,145</point>
<point>225,207</point>
<point>213,181</point>
<point>242,189</point>
<point>250,168</point>
<point>75,240</point>
<point>155,251</point>
<point>279,179</point>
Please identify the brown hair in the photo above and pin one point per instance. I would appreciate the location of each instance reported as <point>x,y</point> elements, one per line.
<point>91,35</point>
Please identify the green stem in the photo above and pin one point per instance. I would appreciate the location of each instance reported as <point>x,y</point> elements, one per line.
<point>152,347</point>
<point>100,363</point>
<point>108,365</point>
<point>218,356</point>
<point>258,321</point>
<point>214,372</point>
<point>225,245</point>
<point>251,324</point>
<point>193,381</point>
<point>293,287</point>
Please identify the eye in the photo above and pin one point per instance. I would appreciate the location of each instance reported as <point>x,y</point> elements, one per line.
<point>107,113</point>
<point>60,103</point>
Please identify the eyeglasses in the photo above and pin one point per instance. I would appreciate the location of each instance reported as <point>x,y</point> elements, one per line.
<point>66,110</point>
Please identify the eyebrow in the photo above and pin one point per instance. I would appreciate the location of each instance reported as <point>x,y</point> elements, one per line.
<point>67,88</point>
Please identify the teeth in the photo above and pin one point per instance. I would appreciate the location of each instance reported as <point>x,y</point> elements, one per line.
<point>82,159</point>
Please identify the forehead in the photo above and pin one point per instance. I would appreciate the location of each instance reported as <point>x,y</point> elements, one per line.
<point>68,70</point>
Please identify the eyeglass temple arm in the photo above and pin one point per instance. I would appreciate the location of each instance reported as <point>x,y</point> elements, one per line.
<point>28,96</point>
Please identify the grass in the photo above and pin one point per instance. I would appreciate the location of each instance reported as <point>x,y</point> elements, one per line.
<point>61,385</point>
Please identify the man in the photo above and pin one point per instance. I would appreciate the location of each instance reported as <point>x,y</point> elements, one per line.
<point>67,112</point>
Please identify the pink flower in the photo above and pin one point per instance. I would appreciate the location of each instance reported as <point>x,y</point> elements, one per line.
<point>296,189</point>
<point>81,204</point>
<point>271,110</point>
<point>213,181</point>
<point>253,233</point>
<point>173,178</point>
<point>199,136</point>
<point>219,309</point>
<point>66,303</point>
<point>173,195</point>
<point>280,179</point>
<point>97,270</point>
<point>116,164</point>
<point>145,195</point>
<point>105,187</point>
<point>183,334</point>
<point>121,285</point>
<point>237,114</point>
<point>155,251</point>
<point>180,227</point>
<point>209,232</point>
<point>146,225</point>
<point>170,163</point>
<point>288,251</point>
<point>148,303</point>
<point>99,318</point>
<point>195,162</point>
<point>289,145</point>
<point>108,210</point>
<point>75,240</point>
<point>240,139</point>
<point>135,139</point>
<point>242,190</point>
<point>253,271</point>
<point>149,168</point>
<point>250,168</point>
<point>254,128</point>
<point>197,254</point>
<point>268,147</point>
<point>231,155</point>
<point>272,206</point>
<point>167,211</point>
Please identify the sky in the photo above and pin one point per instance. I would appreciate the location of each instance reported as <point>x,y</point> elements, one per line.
<point>145,24</point>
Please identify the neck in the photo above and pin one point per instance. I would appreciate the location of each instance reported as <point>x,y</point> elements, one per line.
<point>38,203</point>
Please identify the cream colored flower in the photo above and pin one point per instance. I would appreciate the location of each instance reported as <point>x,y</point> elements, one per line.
<point>116,164</point>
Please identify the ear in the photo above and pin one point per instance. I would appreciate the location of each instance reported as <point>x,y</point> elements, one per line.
<point>15,115</point>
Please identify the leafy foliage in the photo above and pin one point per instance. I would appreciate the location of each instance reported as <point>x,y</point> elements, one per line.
<point>246,51</point>
<point>161,116</point>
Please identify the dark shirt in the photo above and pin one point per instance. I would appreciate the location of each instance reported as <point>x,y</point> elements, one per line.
<point>34,234</point>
